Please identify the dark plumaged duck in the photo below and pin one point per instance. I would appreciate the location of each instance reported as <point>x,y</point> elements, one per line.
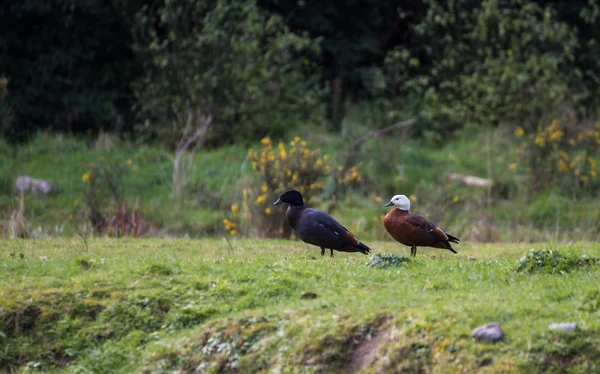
<point>413,230</point>
<point>317,227</point>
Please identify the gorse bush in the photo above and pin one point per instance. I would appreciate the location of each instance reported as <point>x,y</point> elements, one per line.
<point>562,152</point>
<point>552,261</point>
<point>278,168</point>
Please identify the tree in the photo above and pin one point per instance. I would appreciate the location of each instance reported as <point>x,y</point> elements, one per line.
<point>69,65</point>
<point>228,60</point>
<point>486,63</point>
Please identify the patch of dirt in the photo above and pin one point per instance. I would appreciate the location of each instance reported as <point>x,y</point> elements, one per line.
<point>365,352</point>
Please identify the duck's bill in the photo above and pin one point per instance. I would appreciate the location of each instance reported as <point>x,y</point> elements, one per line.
<point>389,204</point>
<point>278,202</point>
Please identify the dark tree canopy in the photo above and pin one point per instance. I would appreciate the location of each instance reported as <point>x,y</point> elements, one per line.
<point>262,66</point>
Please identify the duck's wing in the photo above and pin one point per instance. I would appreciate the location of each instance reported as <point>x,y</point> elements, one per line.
<point>425,230</point>
<point>328,223</point>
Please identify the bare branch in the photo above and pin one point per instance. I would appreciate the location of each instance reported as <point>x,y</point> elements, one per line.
<point>374,133</point>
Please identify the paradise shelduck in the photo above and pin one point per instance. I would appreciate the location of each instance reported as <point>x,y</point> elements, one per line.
<point>413,230</point>
<point>317,227</point>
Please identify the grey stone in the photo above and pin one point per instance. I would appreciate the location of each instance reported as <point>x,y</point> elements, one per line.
<point>26,184</point>
<point>490,332</point>
<point>565,326</point>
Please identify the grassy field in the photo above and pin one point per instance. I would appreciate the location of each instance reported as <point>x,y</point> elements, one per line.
<point>143,174</point>
<point>167,305</point>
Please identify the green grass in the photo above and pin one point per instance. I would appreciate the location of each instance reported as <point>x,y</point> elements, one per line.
<point>160,305</point>
<point>390,165</point>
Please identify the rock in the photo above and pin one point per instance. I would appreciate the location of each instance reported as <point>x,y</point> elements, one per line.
<point>490,332</point>
<point>26,184</point>
<point>565,326</point>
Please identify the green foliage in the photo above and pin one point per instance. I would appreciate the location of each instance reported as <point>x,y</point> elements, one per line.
<point>232,61</point>
<point>73,72</point>
<point>553,261</point>
<point>563,153</point>
<point>6,115</point>
<point>488,63</point>
<point>386,260</point>
<point>288,166</point>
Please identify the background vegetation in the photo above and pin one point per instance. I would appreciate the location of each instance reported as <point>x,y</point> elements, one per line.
<point>173,119</point>
<point>151,118</point>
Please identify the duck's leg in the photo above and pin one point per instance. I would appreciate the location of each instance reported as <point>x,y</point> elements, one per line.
<point>413,251</point>
<point>322,251</point>
<point>331,252</point>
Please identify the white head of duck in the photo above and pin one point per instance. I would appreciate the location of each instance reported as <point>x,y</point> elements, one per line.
<point>400,201</point>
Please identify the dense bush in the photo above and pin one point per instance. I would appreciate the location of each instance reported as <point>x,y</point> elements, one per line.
<point>229,60</point>
<point>562,152</point>
<point>286,166</point>
<point>261,65</point>
<point>487,63</point>
<point>69,65</point>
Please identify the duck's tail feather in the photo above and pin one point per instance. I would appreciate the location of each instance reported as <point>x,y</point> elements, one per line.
<point>448,246</point>
<point>363,248</point>
<point>453,239</point>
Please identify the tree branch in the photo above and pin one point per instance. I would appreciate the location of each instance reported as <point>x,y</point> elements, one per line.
<point>374,133</point>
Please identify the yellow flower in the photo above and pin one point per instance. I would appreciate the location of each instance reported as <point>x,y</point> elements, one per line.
<point>556,135</point>
<point>296,138</point>
<point>70,217</point>
<point>265,141</point>
<point>519,132</point>
<point>129,162</point>
<point>268,211</point>
<point>235,209</point>
<point>513,167</point>
<point>540,139</point>
<point>86,177</point>
<point>261,199</point>
<point>593,174</point>
<point>456,198</point>
<point>377,199</point>
<point>563,166</point>
<point>264,188</point>
<point>232,232</point>
<point>413,198</point>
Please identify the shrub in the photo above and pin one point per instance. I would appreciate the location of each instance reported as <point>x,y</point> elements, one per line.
<point>108,211</point>
<point>287,166</point>
<point>561,152</point>
<point>552,261</point>
<point>230,60</point>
